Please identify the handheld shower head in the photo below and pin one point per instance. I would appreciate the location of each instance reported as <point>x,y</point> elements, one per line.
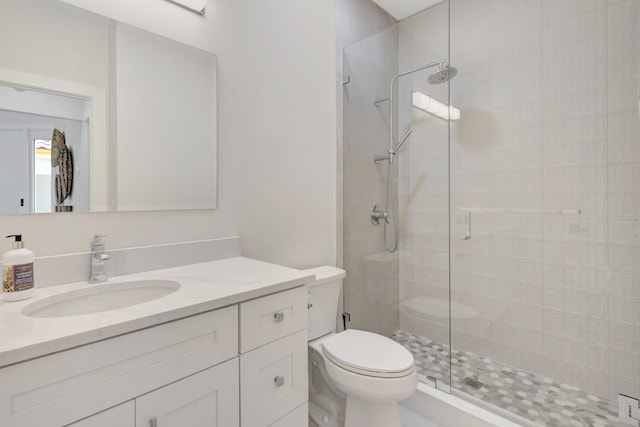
<point>402,140</point>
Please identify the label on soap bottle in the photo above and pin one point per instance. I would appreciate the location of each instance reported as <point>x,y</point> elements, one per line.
<point>16,278</point>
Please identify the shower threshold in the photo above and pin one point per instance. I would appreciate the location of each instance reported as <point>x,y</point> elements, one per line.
<point>533,397</point>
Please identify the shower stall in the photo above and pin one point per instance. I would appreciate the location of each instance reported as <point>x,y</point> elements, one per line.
<point>513,190</point>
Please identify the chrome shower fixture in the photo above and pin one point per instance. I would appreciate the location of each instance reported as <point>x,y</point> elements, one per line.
<point>443,70</point>
<point>444,74</point>
<point>378,214</point>
<point>378,158</point>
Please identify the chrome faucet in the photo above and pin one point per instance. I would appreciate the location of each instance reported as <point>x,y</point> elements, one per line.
<point>98,257</point>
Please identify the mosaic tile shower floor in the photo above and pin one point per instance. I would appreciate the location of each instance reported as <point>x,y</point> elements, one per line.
<point>530,396</point>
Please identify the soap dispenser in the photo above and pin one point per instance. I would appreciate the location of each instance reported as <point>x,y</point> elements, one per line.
<point>17,271</point>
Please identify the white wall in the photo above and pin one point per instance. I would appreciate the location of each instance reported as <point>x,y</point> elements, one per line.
<point>276,136</point>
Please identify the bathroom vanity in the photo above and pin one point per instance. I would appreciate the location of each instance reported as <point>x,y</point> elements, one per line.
<point>228,348</point>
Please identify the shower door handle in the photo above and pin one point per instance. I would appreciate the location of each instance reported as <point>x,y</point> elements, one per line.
<point>467,227</point>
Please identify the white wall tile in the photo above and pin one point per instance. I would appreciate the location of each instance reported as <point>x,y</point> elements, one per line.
<point>625,338</point>
<point>624,284</point>
<point>577,303</point>
<point>624,365</point>
<point>581,353</point>
<point>555,11</point>
<point>577,327</point>
<point>513,17</point>
<point>624,311</point>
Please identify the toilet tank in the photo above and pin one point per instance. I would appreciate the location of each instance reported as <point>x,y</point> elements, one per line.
<point>324,296</point>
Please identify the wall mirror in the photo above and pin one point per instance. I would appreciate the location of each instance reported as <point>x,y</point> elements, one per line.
<point>96,115</point>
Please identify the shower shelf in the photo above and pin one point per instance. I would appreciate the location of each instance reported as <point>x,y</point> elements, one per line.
<point>523,211</point>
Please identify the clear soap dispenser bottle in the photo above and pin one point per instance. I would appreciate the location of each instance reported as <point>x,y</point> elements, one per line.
<point>17,271</point>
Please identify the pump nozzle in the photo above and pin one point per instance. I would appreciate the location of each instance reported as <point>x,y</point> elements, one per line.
<point>17,242</point>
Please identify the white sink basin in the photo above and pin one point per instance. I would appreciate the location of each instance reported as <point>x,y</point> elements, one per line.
<point>101,297</point>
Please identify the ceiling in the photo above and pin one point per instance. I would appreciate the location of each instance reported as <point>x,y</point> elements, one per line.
<point>401,9</point>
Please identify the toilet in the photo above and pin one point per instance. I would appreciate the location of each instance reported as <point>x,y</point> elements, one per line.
<point>356,378</point>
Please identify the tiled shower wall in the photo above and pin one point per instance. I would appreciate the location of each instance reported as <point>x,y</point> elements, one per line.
<point>548,91</point>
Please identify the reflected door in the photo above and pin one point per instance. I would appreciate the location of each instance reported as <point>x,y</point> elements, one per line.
<point>14,156</point>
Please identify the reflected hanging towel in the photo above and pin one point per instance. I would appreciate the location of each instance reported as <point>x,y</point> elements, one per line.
<point>57,142</point>
<point>66,171</point>
<point>62,157</point>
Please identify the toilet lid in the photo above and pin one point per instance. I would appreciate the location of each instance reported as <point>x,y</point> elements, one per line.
<point>369,354</point>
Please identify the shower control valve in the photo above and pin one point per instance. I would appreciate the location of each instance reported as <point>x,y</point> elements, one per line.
<point>377,214</point>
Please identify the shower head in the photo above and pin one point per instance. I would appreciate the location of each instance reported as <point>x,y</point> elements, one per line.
<point>444,74</point>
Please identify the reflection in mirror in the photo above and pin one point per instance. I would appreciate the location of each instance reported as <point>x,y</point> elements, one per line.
<point>136,111</point>
<point>27,122</point>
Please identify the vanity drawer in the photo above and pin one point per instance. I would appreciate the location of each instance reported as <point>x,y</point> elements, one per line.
<point>273,380</point>
<point>63,387</point>
<point>266,319</point>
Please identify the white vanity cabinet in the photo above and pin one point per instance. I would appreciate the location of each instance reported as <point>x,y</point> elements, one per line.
<point>273,360</point>
<point>208,398</point>
<point>62,388</point>
<point>245,364</point>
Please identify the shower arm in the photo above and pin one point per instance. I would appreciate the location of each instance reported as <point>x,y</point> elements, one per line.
<point>393,150</point>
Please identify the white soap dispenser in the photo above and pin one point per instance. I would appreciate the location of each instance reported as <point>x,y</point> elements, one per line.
<point>17,271</point>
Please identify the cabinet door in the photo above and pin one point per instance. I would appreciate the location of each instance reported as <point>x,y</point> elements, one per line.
<point>206,399</point>
<point>297,418</point>
<point>274,380</point>
<point>122,416</point>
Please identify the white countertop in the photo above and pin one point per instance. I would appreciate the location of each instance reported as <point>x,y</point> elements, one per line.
<point>204,287</point>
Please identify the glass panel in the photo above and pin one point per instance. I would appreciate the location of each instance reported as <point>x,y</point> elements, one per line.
<point>399,286</point>
<point>545,169</point>
<point>371,285</point>
<point>424,188</point>
<point>498,204</point>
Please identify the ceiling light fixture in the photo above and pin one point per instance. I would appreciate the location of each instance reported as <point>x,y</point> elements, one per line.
<point>436,108</point>
<point>196,6</point>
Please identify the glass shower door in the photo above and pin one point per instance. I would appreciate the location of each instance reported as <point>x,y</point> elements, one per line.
<point>545,185</point>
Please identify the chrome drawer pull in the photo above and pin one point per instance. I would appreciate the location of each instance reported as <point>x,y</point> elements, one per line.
<point>278,317</point>
<point>279,381</point>
<point>153,422</point>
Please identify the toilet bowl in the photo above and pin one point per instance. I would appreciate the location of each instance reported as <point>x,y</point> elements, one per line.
<point>356,378</point>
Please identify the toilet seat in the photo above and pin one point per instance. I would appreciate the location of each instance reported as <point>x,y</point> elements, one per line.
<point>369,354</point>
